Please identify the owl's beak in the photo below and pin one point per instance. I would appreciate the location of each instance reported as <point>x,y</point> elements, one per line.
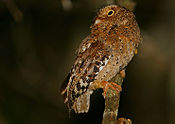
<point>97,21</point>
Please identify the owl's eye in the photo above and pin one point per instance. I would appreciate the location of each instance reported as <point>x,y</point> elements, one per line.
<point>110,12</point>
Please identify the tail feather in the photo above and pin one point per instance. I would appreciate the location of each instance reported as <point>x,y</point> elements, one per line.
<point>82,103</point>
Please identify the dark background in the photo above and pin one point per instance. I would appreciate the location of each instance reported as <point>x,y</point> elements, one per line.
<point>38,39</point>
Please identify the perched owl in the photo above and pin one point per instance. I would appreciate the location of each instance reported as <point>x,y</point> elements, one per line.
<point>108,49</point>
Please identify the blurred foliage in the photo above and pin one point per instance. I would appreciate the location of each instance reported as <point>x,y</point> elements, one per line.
<point>37,51</point>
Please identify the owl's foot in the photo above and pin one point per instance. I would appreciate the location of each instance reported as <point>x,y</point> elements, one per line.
<point>106,85</point>
<point>124,121</point>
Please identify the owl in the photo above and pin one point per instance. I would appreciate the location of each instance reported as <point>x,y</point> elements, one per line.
<point>105,52</point>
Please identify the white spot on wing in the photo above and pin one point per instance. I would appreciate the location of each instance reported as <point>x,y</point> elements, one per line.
<point>106,61</point>
<point>85,84</point>
<point>101,68</point>
<point>88,45</point>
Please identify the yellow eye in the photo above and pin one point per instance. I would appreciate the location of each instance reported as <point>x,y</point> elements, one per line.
<point>110,12</point>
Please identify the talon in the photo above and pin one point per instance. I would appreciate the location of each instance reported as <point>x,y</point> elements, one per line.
<point>124,121</point>
<point>112,85</point>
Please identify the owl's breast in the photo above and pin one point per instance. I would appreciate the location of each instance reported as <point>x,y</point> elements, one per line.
<point>121,51</point>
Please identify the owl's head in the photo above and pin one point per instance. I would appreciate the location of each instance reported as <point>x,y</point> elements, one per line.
<point>112,16</point>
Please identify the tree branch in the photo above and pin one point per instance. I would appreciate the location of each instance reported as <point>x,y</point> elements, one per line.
<point>112,102</point>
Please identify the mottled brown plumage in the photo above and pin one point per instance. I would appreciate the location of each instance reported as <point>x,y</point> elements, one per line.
<point>109,48</point>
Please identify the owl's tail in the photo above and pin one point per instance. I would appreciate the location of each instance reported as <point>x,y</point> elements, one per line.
<point>82,103</point>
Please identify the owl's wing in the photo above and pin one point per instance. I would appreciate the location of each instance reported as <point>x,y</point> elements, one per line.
<point>88,64</point>
<point>79,92</point>
<point>64,86</point>
<point>86,43</point>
